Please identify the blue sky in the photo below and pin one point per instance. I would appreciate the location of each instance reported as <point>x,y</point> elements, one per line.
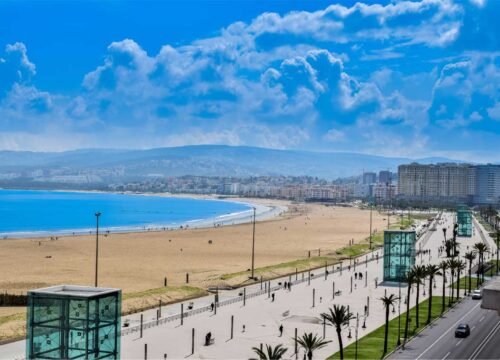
<point>400,78</point>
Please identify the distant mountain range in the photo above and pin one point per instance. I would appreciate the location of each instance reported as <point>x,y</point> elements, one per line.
<point>204,160</point>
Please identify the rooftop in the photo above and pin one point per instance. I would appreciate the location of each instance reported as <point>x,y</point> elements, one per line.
<point>74,291</point>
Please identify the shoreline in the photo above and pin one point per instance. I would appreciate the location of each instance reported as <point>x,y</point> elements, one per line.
<point>263,212</point>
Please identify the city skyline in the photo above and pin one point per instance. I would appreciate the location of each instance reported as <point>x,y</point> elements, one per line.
<point>394,78</point>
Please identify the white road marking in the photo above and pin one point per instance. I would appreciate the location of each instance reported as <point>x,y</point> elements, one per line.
<point>447,331</point>
<point>473,327</point>
<point>446,355</point>
<point>458,343</point>
<point>485,341</point>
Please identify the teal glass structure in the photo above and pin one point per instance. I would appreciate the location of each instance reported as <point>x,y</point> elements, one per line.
<point>73,322</point>
<point>464,221</point>
<point>399,254</point>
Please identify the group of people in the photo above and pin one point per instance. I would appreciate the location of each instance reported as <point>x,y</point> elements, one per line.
<point>287,285</point>
<point>358,275</point>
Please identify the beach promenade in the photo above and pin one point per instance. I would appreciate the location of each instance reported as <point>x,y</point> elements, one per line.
<point>257,319</point>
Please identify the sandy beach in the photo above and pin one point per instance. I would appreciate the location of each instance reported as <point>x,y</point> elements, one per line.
<point>137,262</point>
<point>140,261</point>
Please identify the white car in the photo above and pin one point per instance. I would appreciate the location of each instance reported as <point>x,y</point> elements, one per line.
<point>476,294</point>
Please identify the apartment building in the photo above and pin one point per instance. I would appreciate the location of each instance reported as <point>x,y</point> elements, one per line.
<point>436,182</point>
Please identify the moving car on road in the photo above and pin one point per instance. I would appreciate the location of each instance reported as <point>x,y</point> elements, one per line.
<point>476,294</point>
<point>463,330</point>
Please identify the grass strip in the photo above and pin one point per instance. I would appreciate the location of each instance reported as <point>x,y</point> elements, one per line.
<point>300,265</point>
<point>371,346</point>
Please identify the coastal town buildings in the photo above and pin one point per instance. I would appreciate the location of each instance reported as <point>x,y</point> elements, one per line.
<point>450,183</point>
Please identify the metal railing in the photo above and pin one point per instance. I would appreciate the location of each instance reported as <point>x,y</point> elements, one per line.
<point>208,308</point>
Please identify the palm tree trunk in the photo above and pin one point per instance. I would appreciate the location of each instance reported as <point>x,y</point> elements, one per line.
<point>341,348</point>
<point>482,269</point>
<point>444,292</point>
<point>477,272</point>
<point>430,300</point>
<point>470,274</point>
<point>452,275</point>
<point>418,295</point>
<point>458,284</point>
<point>386,332</point>
<point>407,322</point>
<point>310,355</point>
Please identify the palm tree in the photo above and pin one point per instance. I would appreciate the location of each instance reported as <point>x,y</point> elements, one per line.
<point>460,266</point>
<point>448,244</point>
<point>470,256</point>
<point>271,353</point>
<point>420,274</point>
<point>409,279</point>
<point>451,265</point>
<point>431,270</point>
<point>443,266</point>
<point>310,343</point>
<point>388,302</point>
<point>481,249</point>
<point>338,317</point>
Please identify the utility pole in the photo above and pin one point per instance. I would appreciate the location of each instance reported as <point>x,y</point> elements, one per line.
<point>97,214</point>
<point>371,210</point>
<point>253,244</point>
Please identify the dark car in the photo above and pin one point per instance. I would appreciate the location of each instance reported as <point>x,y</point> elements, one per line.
<point>463,330</point>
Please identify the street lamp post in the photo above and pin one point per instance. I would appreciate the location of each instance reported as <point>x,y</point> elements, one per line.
<point>371,209</point>
<point>253,244</point>
<point>97,214</point>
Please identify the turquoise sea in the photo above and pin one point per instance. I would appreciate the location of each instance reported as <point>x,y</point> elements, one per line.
<point>27,212</point>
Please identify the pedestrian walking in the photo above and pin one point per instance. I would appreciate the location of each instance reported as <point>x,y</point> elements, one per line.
<point>355,276</point>
<point>272,297</point>
<point>212,306</point>
<point>281,330</point>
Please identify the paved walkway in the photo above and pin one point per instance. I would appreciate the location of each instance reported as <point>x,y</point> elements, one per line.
<point>258,320</point>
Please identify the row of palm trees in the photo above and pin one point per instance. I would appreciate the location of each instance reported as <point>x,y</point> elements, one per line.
<point>339,316</point>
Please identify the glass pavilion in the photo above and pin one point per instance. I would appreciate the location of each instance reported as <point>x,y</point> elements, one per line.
<point>399,254</point>
<point>73,322</point>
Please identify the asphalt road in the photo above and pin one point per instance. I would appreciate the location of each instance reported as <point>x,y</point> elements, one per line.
<point>439,342</point>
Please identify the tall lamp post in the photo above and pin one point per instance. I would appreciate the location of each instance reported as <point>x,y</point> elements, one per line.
<point>253,244</point>
<point>97,214</point>
<point>371,209</point>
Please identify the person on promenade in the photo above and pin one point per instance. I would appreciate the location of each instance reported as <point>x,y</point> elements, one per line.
<point>212,306</point>
<point>272,297</point>
<point>281,330</point>
<point>355,276</point>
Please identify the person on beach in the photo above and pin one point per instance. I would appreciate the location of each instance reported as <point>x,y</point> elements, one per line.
<point>272,297</point>
<point>212,306</point>
<point>355,276</point>
<point>281,330</point>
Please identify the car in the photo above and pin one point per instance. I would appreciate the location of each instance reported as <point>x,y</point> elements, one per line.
<point>462,330</point>
<point>477,295</point>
